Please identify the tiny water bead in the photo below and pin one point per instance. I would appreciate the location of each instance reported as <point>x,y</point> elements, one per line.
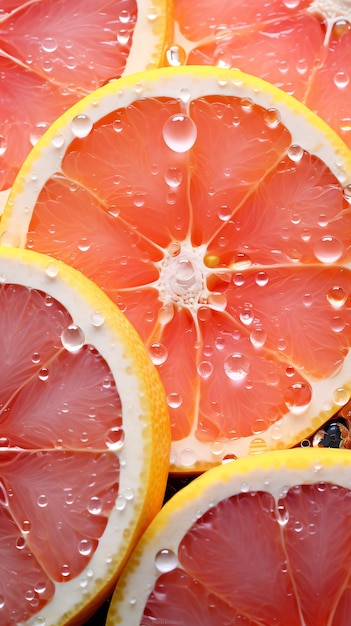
<point>166,560</point>
<point>94,505</point>
<point>81,125</point>
<point>173,177</point>
<point>72,338</point>
<point>179,132</point>
<point>85,547</point>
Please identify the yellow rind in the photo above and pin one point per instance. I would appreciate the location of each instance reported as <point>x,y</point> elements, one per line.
<point>277,469</point>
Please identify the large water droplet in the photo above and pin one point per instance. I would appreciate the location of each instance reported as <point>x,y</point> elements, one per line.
<point>85,547</point>
<point>328,249</point>
<point>166,560</point>
<point>179,132</point>
<point>72,338</point>
<point>295,153</point>
<point>49,44</point>
<point>205,369</point>
<point>217,301</point>
<point>95,505</point>
<point>236,366</point>
<point>115,438</point>
<point>297,397</point>
<point>173,177</point>
<point>175,56</point>
<point>81,125</point>
<point>337,297</point>
<point>158,353</point>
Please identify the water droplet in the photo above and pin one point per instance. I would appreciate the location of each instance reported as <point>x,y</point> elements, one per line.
<point>173,177</point>
<point>241,261</point>
<point>301,66</point>
<point>323,220</point>
<point>97,319</point>
<point>307,300</point>
<point>2,602</point>
<point>49,44</point>
<point>282,515</point>
<point>83,244</point>
<point>298,526</point>
<point>217,448</point>
<point>341,80</point>
<point>205,369</point>
<point>158,353</point>
<point>328,249</point>
<point>258,337</point>
<point>65,570</point>
<point>179,132</point>
<point>246,315</point>
<point>297,397</point>
<point>81,125</point>
<point>152,14</point>
<point>72,338</point>
<point>187,457</point>
<point>271,118</point>
<point>123,36</point>
<point>26,526</point>
<point>295,153</point>
<point>238,279</point>
<point>225,213</point>
<point>341,396</point>
<point>337,297</point>
<point>3,145</point>
<point>166,560</point>
<point>115,438</point>
<point>261,279</point>
<point>85,547</point>
<point>217,301</point>
<point>175,56</point>
<point>174,400</point>
<point>95,505</point>
<point>52,270</point>
<point>40,587</point>
<point>42,501</point>
<point>291,4</point>
<point>20,543</point>
<point>43,373</point>
<point>166,313</point>
<point>236,366</point>
<point>246,104</point>
<point>121,502</point>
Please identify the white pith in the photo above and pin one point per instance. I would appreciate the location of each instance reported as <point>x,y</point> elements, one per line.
<point>307,131</point>
<point>171,525</point>
<point>71,594</point>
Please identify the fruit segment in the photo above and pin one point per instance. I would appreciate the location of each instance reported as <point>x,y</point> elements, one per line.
<point>215,212</point>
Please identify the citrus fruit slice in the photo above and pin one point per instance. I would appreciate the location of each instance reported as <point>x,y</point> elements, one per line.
<point>302,46</point>
<point>259,541</point>
<point>84,446</point>
<point>52,53</point>
<point>214,209</point>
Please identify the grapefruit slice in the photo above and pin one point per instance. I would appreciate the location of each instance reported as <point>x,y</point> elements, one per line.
<point>259,541</point>
<point>302,46</point>
<point>52,53</point>
<point>84,445</point>
<point>214,209</point>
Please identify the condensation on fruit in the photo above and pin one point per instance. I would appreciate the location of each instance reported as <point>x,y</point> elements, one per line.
<point>341,396</point>
<point>295,153</point>
<point>115,438</point>
<point>52,270</point>
<point>297,397</point>
<point>341,80</point>
<point>236,366</point>
<point>94,505</point>
<point>37,131</point>
<point>175,56</point>
<point>336,297</point>
<point>158,353</point>
<point>179,132</point>
<point>72,338</point>
<point>97,319</point>
<point>166,560</point>
<point>328,249</point>
<point>81,125</point>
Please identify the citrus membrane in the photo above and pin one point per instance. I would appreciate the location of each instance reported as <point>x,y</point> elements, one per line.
<point>302,46</point>
<point>84,446</point>
<point>214,209</point>
<point>52,53</point>
<point>258,541</point>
